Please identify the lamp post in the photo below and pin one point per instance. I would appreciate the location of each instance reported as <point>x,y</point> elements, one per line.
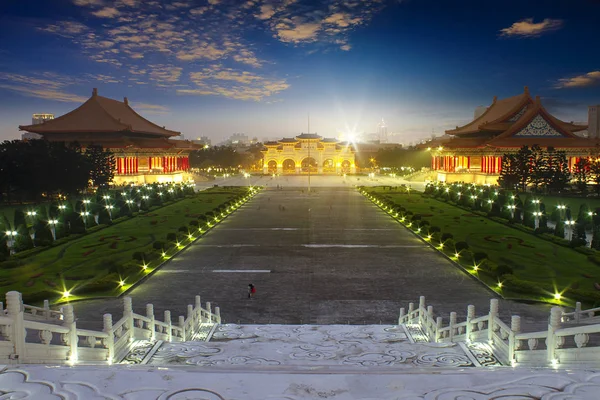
<point>84,215</point>
<point>570,224</point>
<point>512,208</point>
<point>537,215</point>
<point>109,208</point>
<point>11,240</point>
<point>53,223</point>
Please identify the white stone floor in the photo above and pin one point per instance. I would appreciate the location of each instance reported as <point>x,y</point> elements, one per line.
<point>166,383</point>
<point>317,347</point>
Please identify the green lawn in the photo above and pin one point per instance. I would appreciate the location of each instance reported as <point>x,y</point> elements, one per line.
<point>107,254</point>
<point>551,267</point>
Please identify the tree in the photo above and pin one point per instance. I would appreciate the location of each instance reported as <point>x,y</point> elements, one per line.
<point>558,176</point>
<point>596,238</point>
<point>559,230</point>
<point>579,237</point>
<point>523,166</point>
<point>581,174</point>
<point>543,220</point>
<point>43,235</point>
<point>102,162</point>
<point>509,173</point>
<point>23,239</point>
<point>538,164</point>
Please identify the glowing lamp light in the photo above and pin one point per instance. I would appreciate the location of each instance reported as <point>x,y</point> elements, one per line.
<point>475,268</point>
<point>164,254</point>
<point>66,294</point>
<point>557,296</point>
<point>428,237</point>
<point>144,267</point>
<point>121,283</point>
<point>190,236</point>
<point>499,285</point>
<point>456,255</point>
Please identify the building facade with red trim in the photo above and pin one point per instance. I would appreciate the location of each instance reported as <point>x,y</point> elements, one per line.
<point>144,152</point>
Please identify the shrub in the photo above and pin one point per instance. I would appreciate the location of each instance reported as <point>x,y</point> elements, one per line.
<point>183,229</point>
<point>194,223</point>
<point>434,229</point>
<point>139,256</point>
<point>446,236</point>
<point>105,284</point>
<point>171,237</point>
<point>39,296</point>
<point>158,245</point>
<point>479,256</point>
<point>517,285</point>
<point>416,217</point>
<point>10,264</point>
<point>502,270</point>
<point>461,246</point>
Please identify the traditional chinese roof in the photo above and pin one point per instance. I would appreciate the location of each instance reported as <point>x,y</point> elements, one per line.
<point>271,143</point>
<point>519,121</point>
<point>500,111</point>
<point>288,140</point>
<point>100,115</point>
<point>329,140</point>
<point>308,136</point>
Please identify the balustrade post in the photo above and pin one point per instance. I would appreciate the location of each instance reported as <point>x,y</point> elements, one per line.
<point>515,328</point>
<point>209,310</point>
<point>553,325</point>
<point>438,326</point>
<point>169,326</point>
<point>110,340</point>
<point>577,312</point>
<point>421,309</point>
<point>492,316</point>
<point>46,309</point>
<point>470,316</point>
<point>452,325</point>
<point>218,314</point>
<point>152,323</point>
<point>198,309</point>
<point>128,313</point>
<point>428,328</point>
<point>411,308</point>
<point>401,316</point>
<point>14,307</point>
<point>182,326</point>
<point>70,323</point>
<point>1,308</point>
<point>191,319</point>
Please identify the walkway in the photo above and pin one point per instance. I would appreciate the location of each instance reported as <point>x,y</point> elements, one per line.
<point>333,257</point>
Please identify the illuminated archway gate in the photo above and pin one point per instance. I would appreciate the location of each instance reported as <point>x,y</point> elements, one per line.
<point>294,155</point>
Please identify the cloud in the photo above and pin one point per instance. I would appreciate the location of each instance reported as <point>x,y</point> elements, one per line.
<point>88,3</point>
<point>150,108</point>
<point>107,12</point>
<point>41,85</point>
<point>240,85</point>
<point>303,32</point>
<point>528,28</point>
<point>68,29</point>
<point>585,80</point>
<point>266,12</point>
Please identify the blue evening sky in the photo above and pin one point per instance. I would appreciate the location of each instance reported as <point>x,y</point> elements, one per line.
<point>217,67</point>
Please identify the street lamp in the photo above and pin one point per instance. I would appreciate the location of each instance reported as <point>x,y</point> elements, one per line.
<point>11,240</point>
<point>52,223</point>
<point>84,215</point>
<point>109,208</point>
<point>570,225</point>
<point>31,213</point>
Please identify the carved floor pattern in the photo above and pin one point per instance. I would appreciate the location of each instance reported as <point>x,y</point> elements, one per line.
<point>37,382</point>
<point>324,346</point>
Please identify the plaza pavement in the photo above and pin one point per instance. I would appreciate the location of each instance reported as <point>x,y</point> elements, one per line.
<point>333,257</point>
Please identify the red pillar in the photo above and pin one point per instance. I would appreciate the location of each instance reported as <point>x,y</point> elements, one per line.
<point>499,164</point>
<point>164,165</point>
<point>468,162</point>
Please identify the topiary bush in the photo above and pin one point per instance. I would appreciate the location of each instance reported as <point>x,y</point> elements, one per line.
<point>194,223</point>
<point>158,245</point>
<point>434,229</point>
<point>183,229</point>
<point>139,256</point>
<point>461,246</point>
<point>502,270</point>
<point>446,236</point>
<point>479,256</point>
<point>171,237</point>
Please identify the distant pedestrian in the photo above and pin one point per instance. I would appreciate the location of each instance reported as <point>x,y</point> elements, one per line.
<point>251,291</point>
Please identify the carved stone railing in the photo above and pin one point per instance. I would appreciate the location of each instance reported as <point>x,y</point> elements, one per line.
<point>579,316</point>
<point>56,339</point>
<point>558,345</point>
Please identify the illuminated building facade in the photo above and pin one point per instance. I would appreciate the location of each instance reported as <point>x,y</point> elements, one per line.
<point>144,152</point>
<point>473,153</point>
<point>308,151</point>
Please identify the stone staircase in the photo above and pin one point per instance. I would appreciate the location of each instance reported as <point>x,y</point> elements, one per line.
<point>333,348</point>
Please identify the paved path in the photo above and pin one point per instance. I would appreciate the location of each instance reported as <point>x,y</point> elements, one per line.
<point>334,258</point>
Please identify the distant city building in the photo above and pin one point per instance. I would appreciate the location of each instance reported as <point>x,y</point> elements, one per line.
<point>308,151</point>
<point>41,118</point>
<point>382,133</point>
<point>239,139</point>
<point>594,121</point>
<point>30,136</point>
<point>203,141</point>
